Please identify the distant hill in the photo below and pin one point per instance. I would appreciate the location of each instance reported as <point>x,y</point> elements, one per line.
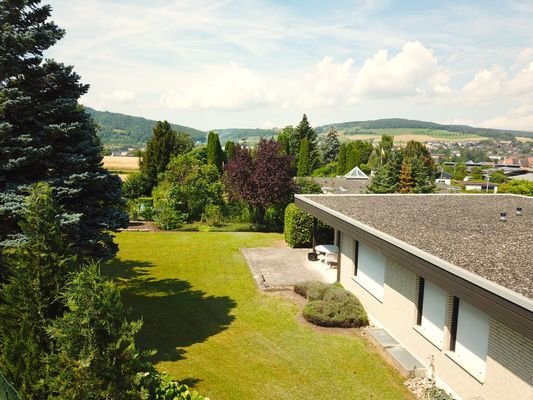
<point>369,127</point>
<point>250,135</point>
<point>118,131</point>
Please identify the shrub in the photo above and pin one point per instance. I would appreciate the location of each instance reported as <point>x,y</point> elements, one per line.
<point>212,215</point>
<point>134,186</point>
<point>156,386</point>
<point>307,186</point>
<point>168,218</point>
<point>298,227</point>
<point>311,290</point>
<point>331,305</point>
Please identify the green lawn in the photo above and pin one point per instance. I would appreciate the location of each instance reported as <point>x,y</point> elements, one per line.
<point>216,332</point>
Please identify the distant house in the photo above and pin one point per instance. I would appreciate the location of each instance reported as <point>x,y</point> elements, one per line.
<point>444,177</point>
<point>445,277</point>
<point>482,186</point>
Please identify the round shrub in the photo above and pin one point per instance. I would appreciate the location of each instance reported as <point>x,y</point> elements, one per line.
<point>331,305</point>
<point>311,290</point>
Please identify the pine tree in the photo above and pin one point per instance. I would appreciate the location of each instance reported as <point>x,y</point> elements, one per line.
<point>215,155</point>
<point>330,148</point>
<point>304,159</point>
<point>386,179</point>
<point>45,135</point>
<point>37,272</point>
<point>160,148</point>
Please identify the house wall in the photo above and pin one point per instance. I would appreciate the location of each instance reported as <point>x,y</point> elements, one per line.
<point>509,366</point>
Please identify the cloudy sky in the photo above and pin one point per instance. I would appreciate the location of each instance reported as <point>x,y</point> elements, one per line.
<point>251,63</point>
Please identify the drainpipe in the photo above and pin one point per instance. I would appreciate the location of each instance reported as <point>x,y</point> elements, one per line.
<point>315,225</point>
<point>338,244</point>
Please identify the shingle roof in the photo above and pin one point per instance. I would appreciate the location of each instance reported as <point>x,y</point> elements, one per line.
<point>464,230</point>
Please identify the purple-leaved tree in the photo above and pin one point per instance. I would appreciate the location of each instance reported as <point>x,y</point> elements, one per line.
<point>260,180</point>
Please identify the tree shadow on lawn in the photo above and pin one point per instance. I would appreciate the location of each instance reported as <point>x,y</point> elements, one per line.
<point>174,315</point>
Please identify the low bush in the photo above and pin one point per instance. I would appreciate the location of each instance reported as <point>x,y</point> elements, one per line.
<point>156,386</point>
<point>311,290</point>
<point>331,305</point>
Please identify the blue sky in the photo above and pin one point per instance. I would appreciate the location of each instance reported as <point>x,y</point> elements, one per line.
<point>221,64</point>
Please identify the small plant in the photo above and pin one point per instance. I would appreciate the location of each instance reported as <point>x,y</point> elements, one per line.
<point>155,386</point>
<point>435,393</point>
<point>212,215</point>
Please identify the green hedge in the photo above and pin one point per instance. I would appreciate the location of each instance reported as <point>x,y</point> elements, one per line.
<point>298,228</point>
<point>331,306</point>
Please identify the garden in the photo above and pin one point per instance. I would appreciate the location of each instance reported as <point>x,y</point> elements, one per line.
<point>214,331</point>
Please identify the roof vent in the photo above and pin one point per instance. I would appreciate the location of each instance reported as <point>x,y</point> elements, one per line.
<point>503,216</point>
<point>519,211</point>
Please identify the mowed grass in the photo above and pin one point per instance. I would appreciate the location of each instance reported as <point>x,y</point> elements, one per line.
<point>215,331</point>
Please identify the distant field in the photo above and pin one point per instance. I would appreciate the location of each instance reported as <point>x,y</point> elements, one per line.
<point>402,135</point>
<point>121,163</point>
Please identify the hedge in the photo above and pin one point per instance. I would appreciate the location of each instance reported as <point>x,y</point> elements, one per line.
<point>298,228</point>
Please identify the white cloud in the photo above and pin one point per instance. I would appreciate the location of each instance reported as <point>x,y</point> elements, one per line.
<point>486,85</point>
<point>409,72</point>
<point>327,84</point>
<point>224,87</point>
<point>120,96</point>
<point>520,118</point>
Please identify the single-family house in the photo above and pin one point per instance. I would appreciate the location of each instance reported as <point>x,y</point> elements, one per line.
<point>449,276</point>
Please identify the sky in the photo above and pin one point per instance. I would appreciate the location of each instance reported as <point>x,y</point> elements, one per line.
<point>262,64</point>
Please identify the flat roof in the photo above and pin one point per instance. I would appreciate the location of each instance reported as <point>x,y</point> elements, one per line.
<point>461,229</point>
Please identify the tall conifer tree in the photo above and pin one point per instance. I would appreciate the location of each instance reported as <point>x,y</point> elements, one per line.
<point>45,135</point>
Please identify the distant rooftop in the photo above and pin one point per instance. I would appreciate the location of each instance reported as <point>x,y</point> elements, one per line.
<point>464,230</point>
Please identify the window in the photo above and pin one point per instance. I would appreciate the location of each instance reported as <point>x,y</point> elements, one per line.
<point>370,269</point>
<point>431,312</point>
<point>470,338</point>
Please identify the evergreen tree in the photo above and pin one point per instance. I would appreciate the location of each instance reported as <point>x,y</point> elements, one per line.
<point>304,159</point>
<point>161,146</point>
<point>94,345</point>
<point>405,181</point>
<point>37,273</point>
<point>305,131</point>
<point>229,150</point>
<point>386,179</point>
<point>341,160</point>
<point>45,135</point>
<point>330,148</point>
<point>215,155</point>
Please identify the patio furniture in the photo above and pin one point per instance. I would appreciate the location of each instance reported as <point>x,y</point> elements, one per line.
<point>329,253</point>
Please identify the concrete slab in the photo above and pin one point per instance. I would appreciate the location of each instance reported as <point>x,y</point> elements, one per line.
<point>281,268</point>
<point>382,338</point>
<point>406,363</point>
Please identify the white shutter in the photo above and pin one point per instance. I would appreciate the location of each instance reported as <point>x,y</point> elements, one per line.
<point>434,313</point>
<point>472,339</point>
<point>371,270</point>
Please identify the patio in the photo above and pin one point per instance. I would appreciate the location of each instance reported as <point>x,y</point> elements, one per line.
<point>281,268</point>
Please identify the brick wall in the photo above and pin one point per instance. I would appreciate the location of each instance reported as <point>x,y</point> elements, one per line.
<point>509,368</point>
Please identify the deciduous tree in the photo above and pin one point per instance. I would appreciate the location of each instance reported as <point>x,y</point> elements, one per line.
<point>260,181</point>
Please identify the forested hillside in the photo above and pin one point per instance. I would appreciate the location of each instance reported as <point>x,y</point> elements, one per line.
<point>119,131</point>
<point>367,127</point>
